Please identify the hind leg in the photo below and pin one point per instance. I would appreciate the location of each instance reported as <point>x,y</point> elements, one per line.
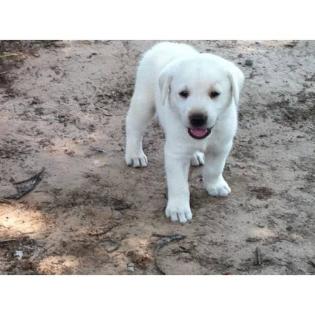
<point>140,113</point>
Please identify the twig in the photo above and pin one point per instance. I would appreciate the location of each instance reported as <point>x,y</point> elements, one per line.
<point>312,263</point>
<point>103,231</point>
<point>9,55</point>
<point>6,201</point>
<point>31,178</point>
<point>258,260</point>
<point>157,266</point>
<point>98,150</point>
<point>163,241</point>
<point>166,239</point>
<point>26,186</point>
<point>11,240</point>
<point>7,241</point>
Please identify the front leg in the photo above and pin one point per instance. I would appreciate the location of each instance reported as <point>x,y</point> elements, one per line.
<point>178,205</point>
<point>213,179</point>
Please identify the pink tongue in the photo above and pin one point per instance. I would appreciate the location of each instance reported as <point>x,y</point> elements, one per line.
<point>198,132</point>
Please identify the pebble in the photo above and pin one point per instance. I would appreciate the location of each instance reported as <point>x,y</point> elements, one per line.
<point>19,254</point>
<point>110,245</point>
<point>130,267</point>
<point>249,62</point>
<point>117,215</point>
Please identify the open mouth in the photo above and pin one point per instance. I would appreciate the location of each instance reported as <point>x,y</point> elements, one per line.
<point>199,133</point>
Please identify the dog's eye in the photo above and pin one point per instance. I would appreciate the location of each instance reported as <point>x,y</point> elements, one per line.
<point>184,94</point>
<point>214,94</point>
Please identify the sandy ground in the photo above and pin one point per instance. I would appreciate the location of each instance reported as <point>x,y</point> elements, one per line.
<point>62,108</point>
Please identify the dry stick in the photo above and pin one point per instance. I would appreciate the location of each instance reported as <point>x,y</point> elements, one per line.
<point>157,266</point>
<point>12,240</point>
<point>312,263</point>
<point>22,191</point>
<point>258,260</point>
<point>3,200</point>
<point>31,178</point>
<point>163,241</point>
<point>104,231</point>
<point>9,55</point>
<point>7,241</point>
<point>166,239</point>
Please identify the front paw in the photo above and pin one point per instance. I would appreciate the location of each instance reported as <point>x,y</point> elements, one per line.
<point>178,211</point>
<point>220,188</point>
<point>198,159</point>
<point>136,160</point>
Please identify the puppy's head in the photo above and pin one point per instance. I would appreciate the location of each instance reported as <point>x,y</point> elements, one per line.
<point>199,90</point>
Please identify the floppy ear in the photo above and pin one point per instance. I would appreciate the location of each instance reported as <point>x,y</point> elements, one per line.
<point>165,80</point>
<point>236,78</point>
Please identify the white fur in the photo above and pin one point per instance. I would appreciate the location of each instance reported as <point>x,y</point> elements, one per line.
<point>164,71</point>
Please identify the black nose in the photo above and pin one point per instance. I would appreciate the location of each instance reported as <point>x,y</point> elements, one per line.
<point>198,119</point>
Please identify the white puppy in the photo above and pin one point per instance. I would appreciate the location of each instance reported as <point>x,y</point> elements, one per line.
<point>196,97</point>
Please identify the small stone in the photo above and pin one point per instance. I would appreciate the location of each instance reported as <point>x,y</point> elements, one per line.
<point>117,215</point>
<point>249,62</point>
<point>130,267</point>
<point>91,55</point>
<point>110,245</point>
<point>19,254</point>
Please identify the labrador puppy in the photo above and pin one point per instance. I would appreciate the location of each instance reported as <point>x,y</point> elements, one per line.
<point>196,97</point>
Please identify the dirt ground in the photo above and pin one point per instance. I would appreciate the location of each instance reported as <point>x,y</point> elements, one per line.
<point>62,109</point>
